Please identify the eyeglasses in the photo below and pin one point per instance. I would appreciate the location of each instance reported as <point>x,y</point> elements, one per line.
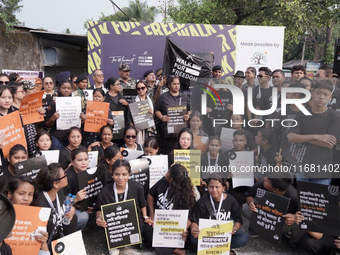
<point>65,175</point>
<point>22,91</point>
<point>130,137</point>
<point>99,75</point>
<point>46,83</point>
<point>4,82</point>
<point>141,88</point>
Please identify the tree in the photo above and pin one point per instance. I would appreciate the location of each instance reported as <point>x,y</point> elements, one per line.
<point>66,31</point>
<point>7,10</point>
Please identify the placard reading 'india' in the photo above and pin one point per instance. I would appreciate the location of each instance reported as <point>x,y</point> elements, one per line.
<point>215,237</point>
<point>319,204</point>
<point>168,228</point>
<point>122,224</point>
<point>191,159</point>
<point>30,167</point>
<point>29,108</point>
<point>176,122</point>
<point>93,180</point>
<point>28,221</point>
<point>69,109</point>
<point>96,116</point>
<point>268,221</point>
<point>141,117</point>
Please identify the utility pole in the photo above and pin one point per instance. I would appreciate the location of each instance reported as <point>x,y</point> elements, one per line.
<point>120,9</point>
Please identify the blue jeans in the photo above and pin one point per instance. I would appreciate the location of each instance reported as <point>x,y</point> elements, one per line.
<point>301,178</point>
<point>239,239</point>
<point>83,218</point>
<point>56,144</point>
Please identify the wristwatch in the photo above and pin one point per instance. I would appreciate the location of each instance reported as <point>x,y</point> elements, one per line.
<point>146,217</point>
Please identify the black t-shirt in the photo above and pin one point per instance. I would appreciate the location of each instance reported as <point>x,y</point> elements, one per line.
<point>250,141</point>
<point>222,161</point>
<point>267,157</point>
<point>5,175</point>
<point>65,157</point>
<point>230,209</point>
<point>291,193</point>
<point>258,92</point>
<point>72,179</point>
<point>266,102</point>
<point>220,111</point>
<point>135,191</point>
<point>324,123</point>
<point>335,101</point>
<point>158,191</point>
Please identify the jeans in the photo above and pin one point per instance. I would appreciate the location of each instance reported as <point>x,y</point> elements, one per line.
<point>83,218</point>
<point>239,239</point>
<point>301,178</point>
<point>56,144</point>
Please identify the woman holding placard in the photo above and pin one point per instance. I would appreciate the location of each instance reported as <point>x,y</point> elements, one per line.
<point>220,206</point>
<point>184,141</point>
<point>172,192</point>
<point>92,137</point>
<point>59,137</point>
<point>74,138</point>
<point>106,136</point>
<point>21,190</point>
<point>121,190</point>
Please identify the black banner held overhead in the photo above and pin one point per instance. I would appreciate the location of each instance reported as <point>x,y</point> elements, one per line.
<point>268,221</point>
<point>30,167</point>
<point>122,224</point>
<point>319,204</point>
<point>186,65</point>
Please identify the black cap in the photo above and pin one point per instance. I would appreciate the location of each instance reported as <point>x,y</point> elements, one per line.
<point>239,74</point>
<point>217,67</point>
<point>63,76</point>
<point>81,77</point>
<point>147,73</point>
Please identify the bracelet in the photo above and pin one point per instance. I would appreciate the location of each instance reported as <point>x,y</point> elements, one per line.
<point>146,217</point>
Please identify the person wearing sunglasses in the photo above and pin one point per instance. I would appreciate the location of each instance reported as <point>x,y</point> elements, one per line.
<point>142,90</point>
<point>130,136</point>
<point>4,80</point>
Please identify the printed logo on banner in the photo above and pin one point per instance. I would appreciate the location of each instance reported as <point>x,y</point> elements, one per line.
<point>258,58</point>
<point>122,59</point>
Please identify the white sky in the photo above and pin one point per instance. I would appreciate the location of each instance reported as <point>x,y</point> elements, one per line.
<point>57,15</point>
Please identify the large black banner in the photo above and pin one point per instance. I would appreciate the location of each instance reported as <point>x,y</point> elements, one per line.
<point>188,66</point>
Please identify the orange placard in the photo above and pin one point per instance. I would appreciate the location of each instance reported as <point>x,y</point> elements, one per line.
<point>27,220</point>
<point>201,143</point>
<point>29,108</point>
<point>96,116</point>
<point>11,125</point>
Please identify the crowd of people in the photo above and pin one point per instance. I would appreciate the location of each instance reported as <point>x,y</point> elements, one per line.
<point>215,197</point>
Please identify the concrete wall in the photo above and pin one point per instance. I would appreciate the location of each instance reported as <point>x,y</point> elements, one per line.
<point>19,50</point>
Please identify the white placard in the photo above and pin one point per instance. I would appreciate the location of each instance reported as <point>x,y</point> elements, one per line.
<point>93,158</point>
<point>132,154</point>
<point>25,74</point>
<point>243,176</point>
<point>168,228</point>
<point>51,156</point>
<point>258,46</point>
<point>69,245</point>
<point>215,237</point>
<point>158,168</point>
<point>88,93</point>
<point>69,109</point>
<point>227,138</point>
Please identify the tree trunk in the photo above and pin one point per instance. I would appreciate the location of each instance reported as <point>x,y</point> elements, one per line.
<point>328,37</point>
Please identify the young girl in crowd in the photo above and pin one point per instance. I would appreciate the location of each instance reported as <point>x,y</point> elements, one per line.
<point>111,155</point>
<point>106,136</point>
<point>130,135</point>
<point>17,154</point>
<point>91,137</point>
<point>79,163</point>
<point>151,147</point>
<point>122,189</point>
<point>174,191</point>
<point>59,137</point>
<point>50,181</point>
<point>196,123</point>
<point>74,138</point>
<point>22,191</point>
<point>43,142</point>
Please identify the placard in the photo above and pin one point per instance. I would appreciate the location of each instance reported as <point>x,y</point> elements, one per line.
<point>51,156</point>
<point>30,167</point>
<point>129,154</point>
<point>242,163</point>
<point>142,119</point>
<point>201,143</point>
<point>11,125</point>
<point>118,124</point>
<point>93,158</point>
<point>88,93</point>
<point>93,180</point>
<point>215,237</point>
<point>158,166</point>
<point>176,122</point>
<point>96,116</point>
<point>319,204</point>
<point>122,224</point>
<point>28,220</point>
<point>190,159</point>
<point>69,245</point>
<point>69,109</point>
<point>168,228</point>
<point>130,95</point>
<point>296,153</point>
<point>268,221</point>
<point>29,108</point>
<point>140,173</point>
<point>227,136</point>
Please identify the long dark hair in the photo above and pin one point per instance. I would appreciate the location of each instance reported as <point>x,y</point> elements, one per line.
<point>180,189</point>
<point>183,130</point>
<point>13,184</point>
<point>109,153</point>
<point>47,176</point>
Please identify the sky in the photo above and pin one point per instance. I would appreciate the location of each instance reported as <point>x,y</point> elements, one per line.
<point>57,15</point>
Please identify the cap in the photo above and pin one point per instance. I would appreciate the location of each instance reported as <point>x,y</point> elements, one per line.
<point>217,67</point>
<point>7,217</point>
<point>81,77</point>
<point>239,74</point>
<point>124,67</point>
<point>147,73</point>
<point>63,76</point>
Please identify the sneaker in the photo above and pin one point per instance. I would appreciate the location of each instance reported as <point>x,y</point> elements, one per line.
<point>252,234</point>
<point>114,252</point>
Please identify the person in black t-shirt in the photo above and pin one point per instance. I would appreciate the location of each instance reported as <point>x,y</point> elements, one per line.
<point>221,206</point>
<point>267,154</point>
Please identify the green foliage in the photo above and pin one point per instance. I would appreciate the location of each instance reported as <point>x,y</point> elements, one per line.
<point>7,10</point>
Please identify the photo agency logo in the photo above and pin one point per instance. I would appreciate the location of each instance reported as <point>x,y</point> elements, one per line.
<point>239,105</point>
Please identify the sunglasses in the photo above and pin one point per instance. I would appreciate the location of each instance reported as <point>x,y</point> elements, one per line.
<point>260,76</point>
<point>130,136</point>
<point>141,88</point>
<point>4,82</point>
<point>46,83</point>
<point>65,175</point>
